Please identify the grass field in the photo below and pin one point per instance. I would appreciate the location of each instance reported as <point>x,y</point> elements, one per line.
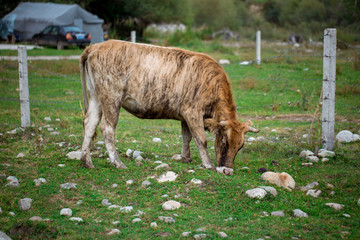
<point>280,96</point>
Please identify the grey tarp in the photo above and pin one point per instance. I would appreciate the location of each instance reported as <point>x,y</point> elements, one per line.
<point>30,18</point>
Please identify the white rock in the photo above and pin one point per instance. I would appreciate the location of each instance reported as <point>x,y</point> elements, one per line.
<point>3,236</point>
<point>251,139</point>
<point>100,143</point>
<point>245,168</point>
<point>325,153</point>
<point>162,166</point>
<point>61,165</point>
<point>129,182</point>
<point>68,185</point>
<point>48,119</point>
<point>114,185</point>
<point>196,181</point>
<point>307,164</point>
<point>74,155</point>
<point>35,218</point>
<point>50,129</point>
<point>185,234</point>
<point>200,236</point>
<point>165,195</point>
<point>335,206</point>
<point>171,205</point>
<point>39,181</point>
<point>269,190</point>
<point>312,158</point>
<point>54,133</point>
<point>77,219</point>
<point>136,154</point>
<point>12,181</point>
<point>300,214</point>
<point>79,202</point>
<point>167,219</point>
<point>309,186</point>
<point>138,214</point>
<point>306,153</point>
<point>11,213</point>
<point>176,157</point>
<point>145,183</point>
<point>346,215</point>
<point>281,179</point>
<point>153,225</point>
<point>20,155</point>
<point>225,170</point>
<point>313,192</point>
<point>24,204</point>
<point>256,193</point>
<point>139,159</point>
<point>222,234</point>
<point>158,162</point>
<point>264,214</point>
<point>355,137</point>
<point>278,214</point>
<point>66,212</point>
<point>115,222</point>
<point>358,202</point>
<point>156,140</point>
<point>324,160</point>
<point>129,152</point>
<point>344,136</point>
<point>105,202</point>
<point>114,206</point>
<point>114,231</point>
<point>126,209</point>
<point>191,171</point>
<point>136,220</point>
<point>224,61</point>
<point>167,177</point>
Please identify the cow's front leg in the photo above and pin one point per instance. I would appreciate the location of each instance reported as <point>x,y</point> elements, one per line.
<point>107,127</point>
<point>198,133</point>
<point>186,135</point>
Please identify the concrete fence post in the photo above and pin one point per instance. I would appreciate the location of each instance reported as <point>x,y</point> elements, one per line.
<point>24,87</point>
<point>133,36</point>
<point>258,47</point>
<point>328,101</point>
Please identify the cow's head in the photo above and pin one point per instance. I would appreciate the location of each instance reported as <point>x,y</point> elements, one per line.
<point>230,138</point>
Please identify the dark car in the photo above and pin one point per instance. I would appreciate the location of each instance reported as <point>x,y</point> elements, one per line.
<point>61,36</point>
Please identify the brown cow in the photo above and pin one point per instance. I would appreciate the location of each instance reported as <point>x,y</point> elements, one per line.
<point>155,82</point>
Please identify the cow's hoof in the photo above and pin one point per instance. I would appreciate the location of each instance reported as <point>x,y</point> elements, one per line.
<point>186,160</point>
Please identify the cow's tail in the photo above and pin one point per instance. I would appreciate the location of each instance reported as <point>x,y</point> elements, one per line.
<point>83,59</point>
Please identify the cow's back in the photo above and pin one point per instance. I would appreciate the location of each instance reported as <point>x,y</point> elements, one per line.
<point>156,82</point>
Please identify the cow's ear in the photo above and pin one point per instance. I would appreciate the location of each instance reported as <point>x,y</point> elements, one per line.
<point>248,128</point>
<point>211,125</point>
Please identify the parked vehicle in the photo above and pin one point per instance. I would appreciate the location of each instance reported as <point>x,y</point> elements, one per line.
<point>62,36</point>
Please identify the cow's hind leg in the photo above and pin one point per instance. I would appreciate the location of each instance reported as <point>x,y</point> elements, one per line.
<point>90,123</point>
<point>186,135</point>
<point>107,126</point>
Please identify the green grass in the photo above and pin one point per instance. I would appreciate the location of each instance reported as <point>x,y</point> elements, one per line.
<point>55,91</point>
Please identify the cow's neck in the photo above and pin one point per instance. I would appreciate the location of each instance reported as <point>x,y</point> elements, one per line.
<point>225,107</point>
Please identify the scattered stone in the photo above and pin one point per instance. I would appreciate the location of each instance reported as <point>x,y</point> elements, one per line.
<point>225,170</point>
<point>307,164</point>
<point>153,225</point>
<point>261,170</point>
<point>312,158</point>
<point>224,61</point>
<point>25,204</point>
<point>35,218</point>
<point>129,182</point>
<point>74,155</point>
<point>158,162</point>
<point>66,212</point>
<point>313,192</point>
<point>325,153</point>
<point>196,181</point>
<point>347,136</point>
<point>68,185</point>
<point>77,219</point>
<point>167,177</point>
<point>114,231</point>
<point>11,213</point>
<point>136,154</point>
<point>54,133</point>
<point>191,171</point>
<point>139,159</point>
<point>264,214</point>
<point>12,181</point>
<point>39,181</point>
<point>0,210</point>
<point>256,193</point>
<point>305,153</point>
<point>358,202</point>
<point>165,195</point>
<point>269,190</point>
<point>61,165</point>
<point>309,186</point>
<point>332,192</point>
<point>3,236</point>
<point>222,234</point>
<point>50,129</point>
<point>145,183</point>
<point>200,230</point>
<point>185,234</point>
<point>136,220</point>
<point>114,185</point>
<point>129,152</point>
<point>162,234</point>
<point>324,160</point>
<point>251,139</point>
<point>115,222</point>
<point>281,179</point>
<point>346,215</point>
<point>105,202</point>
<point>176,157</point>
<point>57,119</point>
<point>167,219</point>
<point>162,166</point>
<point>156,140</point>
<point>171,205</point>
<point>278,214</point>
<point>20,155</point>
<point>79,202</point>
<point>335,206</point>
<point>200,236</point>
<point>300,214</point>
<point>139,213</point>
<point>114,206</point>
<point>245,168</point>
<point>126,209</point>
<point>48,119</point>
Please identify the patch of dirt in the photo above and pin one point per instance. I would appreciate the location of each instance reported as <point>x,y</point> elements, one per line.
<point>32,231</point>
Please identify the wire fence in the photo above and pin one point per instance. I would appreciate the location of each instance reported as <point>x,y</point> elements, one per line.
<point>287,90</point>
